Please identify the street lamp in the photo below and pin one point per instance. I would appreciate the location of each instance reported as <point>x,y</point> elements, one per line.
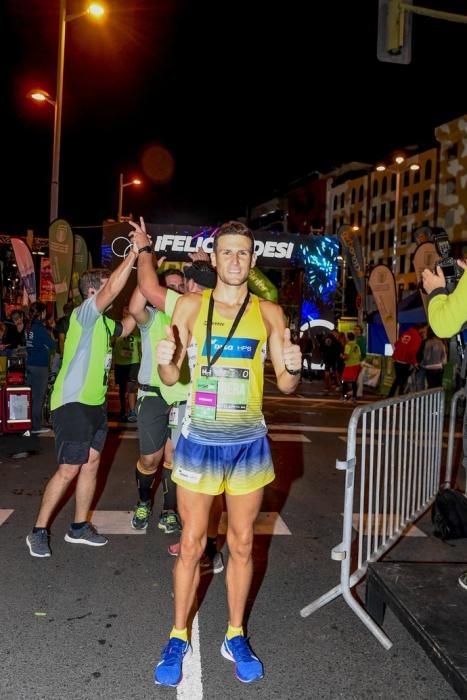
<point>122,184</point>
<point>397,169</point>
<point>94,10</point>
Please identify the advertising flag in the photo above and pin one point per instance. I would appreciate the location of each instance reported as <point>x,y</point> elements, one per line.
<point>383,286</point>
<point>260,285</point>
<point>61,260</point>
<point>424,256</point>
<point>47,289</point>
<point>25,267</point>
<point>352,249</point>
<point>80,263</point>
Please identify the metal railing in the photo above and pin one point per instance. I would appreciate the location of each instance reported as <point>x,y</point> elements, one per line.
<point>458,396</point>
<point>392,477</point>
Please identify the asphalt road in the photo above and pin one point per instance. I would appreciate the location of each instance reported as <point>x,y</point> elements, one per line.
<point>89,623</point>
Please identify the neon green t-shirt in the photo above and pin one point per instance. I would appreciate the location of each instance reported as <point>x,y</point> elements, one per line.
<point>151,333</point>
<point>87,358</point>
<point>127,351</point>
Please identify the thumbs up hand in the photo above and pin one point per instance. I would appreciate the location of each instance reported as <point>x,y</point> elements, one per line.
<point>291,353</point>
<point>166,347</point>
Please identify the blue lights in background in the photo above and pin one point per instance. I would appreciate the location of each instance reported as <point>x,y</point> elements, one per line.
<point>319,259</point>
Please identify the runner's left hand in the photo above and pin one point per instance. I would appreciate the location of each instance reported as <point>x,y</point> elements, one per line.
<point>291,352</point>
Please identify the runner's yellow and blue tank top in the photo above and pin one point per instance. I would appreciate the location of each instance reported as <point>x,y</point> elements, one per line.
<point>225,403</point>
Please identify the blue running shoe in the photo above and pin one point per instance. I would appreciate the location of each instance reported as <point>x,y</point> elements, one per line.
<point>169,669</point>
<point>248,667</point>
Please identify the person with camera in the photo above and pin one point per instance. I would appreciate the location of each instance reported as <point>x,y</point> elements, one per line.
<point>447,314</point>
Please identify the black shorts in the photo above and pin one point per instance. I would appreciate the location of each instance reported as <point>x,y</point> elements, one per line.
<point>153,423</point>
<point>125,374</point>
<point>78,427</point>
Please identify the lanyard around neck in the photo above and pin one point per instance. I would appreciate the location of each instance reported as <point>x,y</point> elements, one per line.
<point>237,319</point>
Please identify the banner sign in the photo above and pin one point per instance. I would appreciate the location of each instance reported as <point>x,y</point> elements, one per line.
<point>80,263</point>
<point>175,243</point>
<point>352,249</point>
<point>61,260</point>
<point>424,256</point>
<point>383,286</point>
<point>46,286</point>
<point>25,267</point>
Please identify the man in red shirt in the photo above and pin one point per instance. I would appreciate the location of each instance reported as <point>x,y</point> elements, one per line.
<point>405,358</point>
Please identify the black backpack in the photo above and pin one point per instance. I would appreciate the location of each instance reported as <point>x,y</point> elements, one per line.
<point>449,515</point>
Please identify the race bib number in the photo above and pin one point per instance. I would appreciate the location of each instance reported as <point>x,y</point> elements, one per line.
<point>221,388</point>
<point>173,417</point>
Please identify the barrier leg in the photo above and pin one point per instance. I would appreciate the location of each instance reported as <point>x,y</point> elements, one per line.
<point>369,623</point>
<point>321,601</point>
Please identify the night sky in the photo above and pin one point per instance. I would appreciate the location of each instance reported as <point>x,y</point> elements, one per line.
<point>245,97</point>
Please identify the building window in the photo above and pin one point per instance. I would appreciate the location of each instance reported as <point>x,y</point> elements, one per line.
<point>334,205</point>
<point>334,227</point>
<point>393,182</point>
<point>360,217</point>
<point>451,152</point>
<point>428,169</point>
<point>451,186</point>
<point>402,264</point>
<point>391,237</point>
<point>375,187</point>
<point>342,200</point>
<point>383,212</point>
<point>352,196</point>
<point>360,193</point>
<point>392,209</point>
<point>381,240</point>
<point>405,205</point>
<point>373,215</point>
<point>450,218</point>
<point>426,199</point>
<point>416,176</point>
<point>403,235</point>
<point>373,241</point>
<point>406,178</point>
<point>341,221</point>
<point>384,185</point>
<point>415,202</point>
<point>352,219</point>
<point>390,263</point>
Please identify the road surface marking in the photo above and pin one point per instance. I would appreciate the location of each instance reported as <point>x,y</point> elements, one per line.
<point>266,524</point>
<point>5,514</point>
<point>191,687</point>
<point>412,530</point>
<point>114,522</point>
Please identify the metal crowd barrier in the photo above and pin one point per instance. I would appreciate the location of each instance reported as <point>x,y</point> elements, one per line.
<point>459,395</point>
<point>392,477</point>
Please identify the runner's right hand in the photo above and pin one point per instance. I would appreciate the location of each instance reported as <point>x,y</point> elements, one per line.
<point>166,348</point>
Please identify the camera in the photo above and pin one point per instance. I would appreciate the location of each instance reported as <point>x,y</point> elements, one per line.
<point>451,270</point>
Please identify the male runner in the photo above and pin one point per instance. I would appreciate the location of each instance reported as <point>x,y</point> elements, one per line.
<point>79,415</point>
<point>223,446</point>
<point>160,408</point>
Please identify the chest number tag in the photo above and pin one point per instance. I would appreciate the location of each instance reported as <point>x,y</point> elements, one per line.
<point>221,388</point>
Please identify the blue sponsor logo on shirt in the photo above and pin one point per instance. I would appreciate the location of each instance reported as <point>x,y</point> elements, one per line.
<point>239,348</point>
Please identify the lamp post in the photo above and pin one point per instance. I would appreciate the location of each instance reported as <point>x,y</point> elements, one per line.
<point>97,11</point>
<point>397,169</point>
<point>122,184</point>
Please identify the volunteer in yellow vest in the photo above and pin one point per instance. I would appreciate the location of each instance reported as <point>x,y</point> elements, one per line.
<point>352,367</point>
<point>127,358</point>
<point>223,446</point>
<point>79,416</point>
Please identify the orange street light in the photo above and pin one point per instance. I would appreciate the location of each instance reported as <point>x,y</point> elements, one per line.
<point>134,181</point>
<point>397,169</point>
<point>95,10</point>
